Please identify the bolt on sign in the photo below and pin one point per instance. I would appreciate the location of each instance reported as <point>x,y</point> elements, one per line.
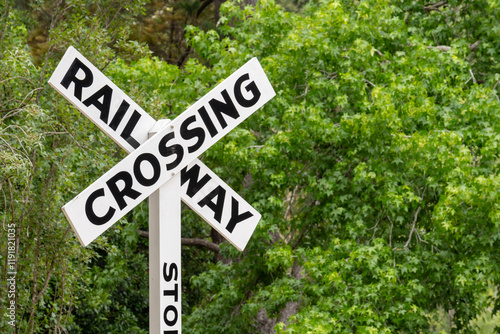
<point>163,167</point>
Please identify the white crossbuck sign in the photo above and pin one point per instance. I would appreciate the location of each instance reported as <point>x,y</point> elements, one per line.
<point>164,168</point>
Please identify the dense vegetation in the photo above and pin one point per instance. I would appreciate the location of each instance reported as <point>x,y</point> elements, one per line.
<point>375,167</point>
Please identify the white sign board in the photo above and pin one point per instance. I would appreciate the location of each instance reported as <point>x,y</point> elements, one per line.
<point>168,152</point>
<point>221,206</point>
<point>101,100</point>
<point>165,259</point>
<point>67,79</point>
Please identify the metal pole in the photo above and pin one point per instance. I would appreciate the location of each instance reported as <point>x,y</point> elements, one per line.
<point>165,256</point>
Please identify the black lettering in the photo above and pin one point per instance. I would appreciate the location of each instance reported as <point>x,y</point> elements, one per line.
<point>227,107</point>
<point>192,176</point>
<point>172,272</point>
<point>251,87</point>
<point>117,119</point>
<point>192,133</point>
<point>104,93</point>
<point>208,121</point>
<point>170,308</point>
<point>89,210</point>
<point>138,172</point>
<point>70,77</point>
<point>174,292</point>
<point>218,206</point>
<point>127,132</point>
<point>126,191</point>
<point>166,151</point>
<point>235,216</point>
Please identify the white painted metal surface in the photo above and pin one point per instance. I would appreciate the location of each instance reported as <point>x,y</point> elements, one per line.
<point>106,105</point>
<point>165,256</point>
<point>218,204</point>
<point>168,152</point>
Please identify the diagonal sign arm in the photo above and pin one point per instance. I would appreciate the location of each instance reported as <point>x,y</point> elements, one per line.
<point>82,84</point>
<point>167,153</point>
<point>98,98</point>
<point>219,205</point>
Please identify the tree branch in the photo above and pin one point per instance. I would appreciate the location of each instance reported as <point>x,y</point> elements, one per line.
<point>203,5</point>
<point>183,57</point>
<point>190,242</point>
<point>378,52</point>
<point>415,221</point>
<point>200,243</point>
<point>442,48</point>
<point>435,6</point>
<point>474,46</point>
<point>413,227</point>
<point>390,233</point>
<point>473,77</point>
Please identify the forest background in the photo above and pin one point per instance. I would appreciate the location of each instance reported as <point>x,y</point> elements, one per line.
<point>375,167</point>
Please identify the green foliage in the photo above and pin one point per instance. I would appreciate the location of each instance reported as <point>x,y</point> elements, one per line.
<point>47,153</point>
<point>113,296</point>
<point>375,168</point>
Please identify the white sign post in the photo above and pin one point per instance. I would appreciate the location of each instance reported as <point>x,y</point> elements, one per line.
<point>165,255</point>
<point>164,168</point>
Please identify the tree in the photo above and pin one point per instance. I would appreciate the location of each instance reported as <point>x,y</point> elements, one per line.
<point>374,167</point>
<point>46,152</point>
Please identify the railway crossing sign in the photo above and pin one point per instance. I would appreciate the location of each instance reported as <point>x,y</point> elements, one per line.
<point>164,168</point>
